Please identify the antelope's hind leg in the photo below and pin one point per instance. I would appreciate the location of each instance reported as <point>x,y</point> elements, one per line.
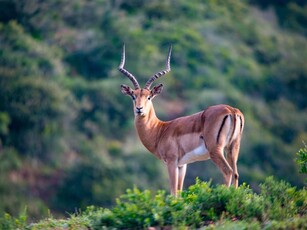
<point>232,158</point>
<point>217,156</point>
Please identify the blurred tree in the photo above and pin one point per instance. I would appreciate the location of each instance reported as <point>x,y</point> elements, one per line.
<point>31,101</point>
<point>291,13</point>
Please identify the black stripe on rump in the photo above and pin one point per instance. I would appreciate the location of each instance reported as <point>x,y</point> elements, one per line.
<point>241,124</point>
<point>220,130</point>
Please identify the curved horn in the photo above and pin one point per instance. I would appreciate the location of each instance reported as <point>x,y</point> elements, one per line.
<point>125,72</point>
<point>161,73</point>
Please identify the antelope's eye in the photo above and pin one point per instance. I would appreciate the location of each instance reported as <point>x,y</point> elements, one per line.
<point>149,98</point>
<point>133,97</point>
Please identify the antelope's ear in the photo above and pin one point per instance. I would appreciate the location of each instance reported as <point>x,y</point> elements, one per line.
<point>156,90</point>
<point>126,90</point>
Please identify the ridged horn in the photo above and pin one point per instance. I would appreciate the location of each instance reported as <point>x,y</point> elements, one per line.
<point>126,72</point>
<point>161,73</point>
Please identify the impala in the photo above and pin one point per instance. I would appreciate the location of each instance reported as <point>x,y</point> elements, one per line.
<point>198,137</point>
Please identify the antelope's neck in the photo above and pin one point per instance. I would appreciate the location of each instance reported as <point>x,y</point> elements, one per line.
<point>149,128</point>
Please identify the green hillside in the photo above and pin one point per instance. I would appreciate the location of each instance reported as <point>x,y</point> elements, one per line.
<point>67,138</point>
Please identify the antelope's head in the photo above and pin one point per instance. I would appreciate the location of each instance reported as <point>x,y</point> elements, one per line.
<point>142,97</point>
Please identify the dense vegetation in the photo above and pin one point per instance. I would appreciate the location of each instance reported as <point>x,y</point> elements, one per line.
<point>278,206</point>
<point>67,139</point>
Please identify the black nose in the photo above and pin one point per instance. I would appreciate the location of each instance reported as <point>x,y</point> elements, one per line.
<point>138,109</point>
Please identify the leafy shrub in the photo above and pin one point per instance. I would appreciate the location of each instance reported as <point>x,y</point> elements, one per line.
<point>245,204</point>
<point>301,159</point>
<point>211,202</point>
<point>278,206</point>
<point>99,217</point>
<point>229,224</point>
<point>280,199</point>
<point>134,209</point>
<point>203,204</point>
<point>73,222</point>
<point>291,223</point>
<point>8,222</point>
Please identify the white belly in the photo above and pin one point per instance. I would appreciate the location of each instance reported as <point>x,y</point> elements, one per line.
<point>198,154</point>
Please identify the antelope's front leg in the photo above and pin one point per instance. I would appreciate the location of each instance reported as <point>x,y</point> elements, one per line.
<point>172,169</point>
<point>181,175</point>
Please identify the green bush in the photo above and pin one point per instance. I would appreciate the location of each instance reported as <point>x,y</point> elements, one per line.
<point>203,204</point>
<point>281,200</point>
<point>291,223</point>
<point>301,159</point>
<point>10,223</point>
<point>134,209</point>
<point>245,204</point>
<point>277,206</point>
